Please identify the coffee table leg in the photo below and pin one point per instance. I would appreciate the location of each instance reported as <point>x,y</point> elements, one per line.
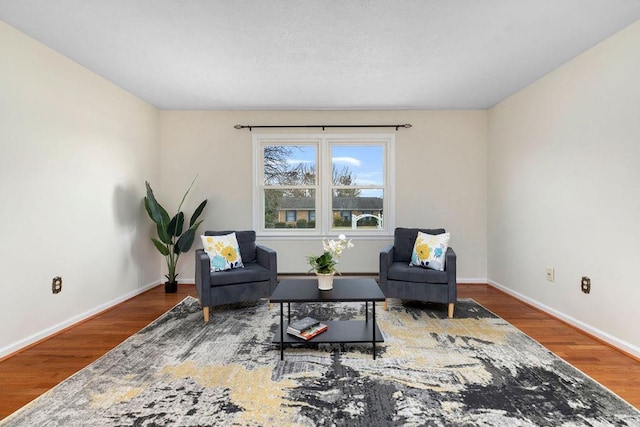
<point>373,327</point>
<point>366,311</point>
<point>281,331</point>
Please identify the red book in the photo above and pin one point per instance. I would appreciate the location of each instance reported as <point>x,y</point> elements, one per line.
<point>311,332</point>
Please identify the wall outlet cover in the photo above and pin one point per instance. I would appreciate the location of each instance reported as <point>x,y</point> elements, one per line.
<point>585,284</point>
<point>56,285</point>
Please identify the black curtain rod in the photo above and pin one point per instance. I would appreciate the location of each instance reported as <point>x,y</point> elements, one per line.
<point>250,127</point>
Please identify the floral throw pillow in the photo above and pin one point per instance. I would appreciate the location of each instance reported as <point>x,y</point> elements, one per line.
<point>429,250</point>
<point>223,251</point>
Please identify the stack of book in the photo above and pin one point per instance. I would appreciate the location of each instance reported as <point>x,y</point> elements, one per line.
<point>306,328</point>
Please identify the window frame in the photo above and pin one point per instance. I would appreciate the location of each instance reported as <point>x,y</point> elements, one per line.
<point>323,186</point>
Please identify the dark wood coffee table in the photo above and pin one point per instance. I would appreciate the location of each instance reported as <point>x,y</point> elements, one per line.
<point>339,331</point>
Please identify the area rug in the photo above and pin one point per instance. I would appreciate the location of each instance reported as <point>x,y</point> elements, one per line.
<point>475,369</point>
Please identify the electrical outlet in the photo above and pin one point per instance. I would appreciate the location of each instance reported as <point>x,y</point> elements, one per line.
<point>585,284</point>
<point>56,285</point>
<point>550,274</point>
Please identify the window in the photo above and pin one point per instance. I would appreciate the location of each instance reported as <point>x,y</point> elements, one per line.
<point>321,185</point>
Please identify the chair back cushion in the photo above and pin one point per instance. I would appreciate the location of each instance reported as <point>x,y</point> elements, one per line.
<point>404,240</point>
<point>246,242</point>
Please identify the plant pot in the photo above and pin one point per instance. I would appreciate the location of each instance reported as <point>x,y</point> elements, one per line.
<point>170,287</point>
<point>325,281</point>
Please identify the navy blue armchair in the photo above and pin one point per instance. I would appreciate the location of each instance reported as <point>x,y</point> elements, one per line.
<point>400,280</point>
<point>258,278</point>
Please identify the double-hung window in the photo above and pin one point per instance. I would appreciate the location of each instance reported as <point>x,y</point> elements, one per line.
<point>307,185</point>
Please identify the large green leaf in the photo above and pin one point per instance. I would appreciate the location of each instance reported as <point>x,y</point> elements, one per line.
<point>162,248</point>
<point>176,224</point>
<point>163,233</point>
<point>195,226</point>
<point>148,208</point>
<point>197,212</point>
<point>185,241</point>
<point>164,214</point>
<point>152,205</point>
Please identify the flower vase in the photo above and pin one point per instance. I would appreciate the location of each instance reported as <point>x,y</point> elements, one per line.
<point>325,281</point>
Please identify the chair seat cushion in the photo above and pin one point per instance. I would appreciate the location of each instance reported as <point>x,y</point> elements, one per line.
<point>252,272</point>
<point>407,273</point>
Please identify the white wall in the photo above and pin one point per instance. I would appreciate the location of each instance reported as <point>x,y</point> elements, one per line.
<point>564,190</point>
<point>76,151</point>
<point>440,177</point>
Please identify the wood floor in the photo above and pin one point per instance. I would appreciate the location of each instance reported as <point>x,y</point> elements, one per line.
<point>31,372</point>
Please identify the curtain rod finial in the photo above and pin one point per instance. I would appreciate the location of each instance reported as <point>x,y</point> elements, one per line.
<point>407,125</point>
<point>238,126</point>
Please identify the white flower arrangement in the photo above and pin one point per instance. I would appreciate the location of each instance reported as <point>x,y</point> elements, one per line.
<point>326,263</point>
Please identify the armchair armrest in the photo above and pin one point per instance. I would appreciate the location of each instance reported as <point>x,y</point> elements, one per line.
<point>203,285</point>
<point>268,258</point>
<point>450,267</point>
<point>386,259</point>
<point>450,259</point>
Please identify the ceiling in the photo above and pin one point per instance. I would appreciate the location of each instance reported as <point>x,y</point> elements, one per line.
<point>320,54</point>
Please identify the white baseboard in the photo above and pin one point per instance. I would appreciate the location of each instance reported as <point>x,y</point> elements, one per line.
<point>472,280</point>
<point>609,339</point>
<point>19,345</point>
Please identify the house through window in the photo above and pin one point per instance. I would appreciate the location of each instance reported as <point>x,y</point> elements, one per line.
<point>321,185</point>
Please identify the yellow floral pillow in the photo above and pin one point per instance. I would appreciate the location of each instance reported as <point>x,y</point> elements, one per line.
<point>223,251</point>
<point>429,250</point>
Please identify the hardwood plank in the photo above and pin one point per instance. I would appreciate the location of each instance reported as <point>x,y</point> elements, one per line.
<point>31,372</point>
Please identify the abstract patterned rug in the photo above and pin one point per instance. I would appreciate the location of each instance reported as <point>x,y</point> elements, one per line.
<point>475,369</point>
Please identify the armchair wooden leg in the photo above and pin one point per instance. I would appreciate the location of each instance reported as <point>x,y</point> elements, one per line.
<point>451,305</point>
<point>384,306</point>
<point>205,311</point>
<point>270,305</point>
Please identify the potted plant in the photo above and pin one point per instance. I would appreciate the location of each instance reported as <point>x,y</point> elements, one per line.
<point>325,265</point>
<point>172,241</point>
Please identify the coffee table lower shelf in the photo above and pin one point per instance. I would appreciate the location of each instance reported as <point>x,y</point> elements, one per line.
<point>338,331</point>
